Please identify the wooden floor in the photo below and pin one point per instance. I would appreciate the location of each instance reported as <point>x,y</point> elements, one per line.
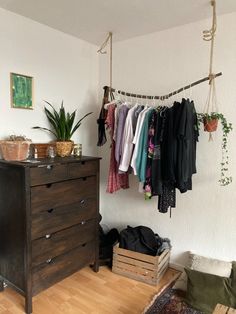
<point>87,292</point>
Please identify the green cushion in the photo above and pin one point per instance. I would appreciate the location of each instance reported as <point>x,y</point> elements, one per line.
<point>204,291</point>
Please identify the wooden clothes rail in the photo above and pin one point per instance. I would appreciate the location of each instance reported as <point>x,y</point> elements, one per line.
<point>207,78</point>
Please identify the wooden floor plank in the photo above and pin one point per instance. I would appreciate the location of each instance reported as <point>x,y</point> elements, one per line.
<point>86,292</point>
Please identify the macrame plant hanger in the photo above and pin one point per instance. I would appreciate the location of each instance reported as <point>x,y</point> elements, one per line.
<point>211,106</point>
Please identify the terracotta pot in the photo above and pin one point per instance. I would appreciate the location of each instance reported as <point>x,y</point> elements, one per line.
<point>64,148</point>
<point>14,150</point>
<point>210,125</point>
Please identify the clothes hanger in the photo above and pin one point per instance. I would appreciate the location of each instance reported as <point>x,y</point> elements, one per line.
<point>184,93</point>
<point>164,107</point>
<point>161,103</point>
<point>115,101</point>
<point>128,103</point>
<point>153,101</point>
<point>117,96</point>
<point>132,99</point>
<point>190,92</point>
<point>137,100</point>
<point>109,103</point>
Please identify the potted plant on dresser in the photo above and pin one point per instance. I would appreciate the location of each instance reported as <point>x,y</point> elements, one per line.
<point>63,126</point>
<point>15,148</point>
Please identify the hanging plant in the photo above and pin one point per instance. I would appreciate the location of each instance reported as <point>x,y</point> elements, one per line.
<point>209,120</point>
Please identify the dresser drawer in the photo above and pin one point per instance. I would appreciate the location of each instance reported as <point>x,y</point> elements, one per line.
<point>62,217</point>
<point>62,266</point>
<point>49,196</point>
<point>84,168</point>
<point>48,173</point>
<point>52,245</point>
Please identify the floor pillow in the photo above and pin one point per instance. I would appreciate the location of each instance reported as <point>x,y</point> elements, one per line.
<point>205,291</point>
<point>206,265</point>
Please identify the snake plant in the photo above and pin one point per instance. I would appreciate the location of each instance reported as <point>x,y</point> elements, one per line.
<point>62,123</point>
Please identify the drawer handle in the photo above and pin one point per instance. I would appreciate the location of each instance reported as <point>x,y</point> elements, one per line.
<point>83,222</point>
<point>82,202</point>
<point>48,236</point>
<point>84,178</point>
<point>49,167</point>
<point>50,210</point>
<point>83,162</point>
<point>83,245</point>
<point>49,261</point>
<point>48,185</point>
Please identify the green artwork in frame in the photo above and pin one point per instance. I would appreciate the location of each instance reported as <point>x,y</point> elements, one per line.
<point>21,91</point>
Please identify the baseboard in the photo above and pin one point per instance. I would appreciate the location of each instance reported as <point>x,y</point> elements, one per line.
<point>176,266</point>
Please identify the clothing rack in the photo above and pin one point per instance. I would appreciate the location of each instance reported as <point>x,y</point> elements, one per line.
<point>207,78</point>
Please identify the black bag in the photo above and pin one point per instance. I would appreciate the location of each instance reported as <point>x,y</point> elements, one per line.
<point>106,242</point>
<point>140,239</point>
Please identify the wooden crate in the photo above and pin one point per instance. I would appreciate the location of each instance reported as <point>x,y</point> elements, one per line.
<point>222,309</point>
<point>138,266</point>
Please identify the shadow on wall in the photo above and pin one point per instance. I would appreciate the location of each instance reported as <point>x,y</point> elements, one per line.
<point>89,130</point>
<point>181,260</point>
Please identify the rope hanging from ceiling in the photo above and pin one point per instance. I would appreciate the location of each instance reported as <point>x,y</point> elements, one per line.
<point>208,35</point>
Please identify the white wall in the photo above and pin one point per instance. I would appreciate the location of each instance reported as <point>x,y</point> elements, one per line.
<point>66,68</point>
<point>205,218</point>
<point>63,67</point>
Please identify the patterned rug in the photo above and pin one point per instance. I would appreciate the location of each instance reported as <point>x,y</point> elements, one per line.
<point>170,302</point>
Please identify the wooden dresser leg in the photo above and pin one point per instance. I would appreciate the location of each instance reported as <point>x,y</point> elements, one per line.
<point>28,305</point>
<point>96,266</point>
<point>1,286</point>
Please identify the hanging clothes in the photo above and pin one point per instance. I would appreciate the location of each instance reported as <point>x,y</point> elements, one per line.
<point>115,180</point>
<point>167,200</point>
<point>116,114</point>
<point>148,188</point>
<point>102,118</point>
<point>180,135</point>
<point>128,136</point>
<point>135,116</point>
<point>137,138</point>
<point>156,163</point>
<point>159,144</point>
<point>121,118</point>
<point>186,131</point>
<point>142,151</point>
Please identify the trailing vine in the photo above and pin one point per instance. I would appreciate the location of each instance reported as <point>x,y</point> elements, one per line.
<point>225,179</point>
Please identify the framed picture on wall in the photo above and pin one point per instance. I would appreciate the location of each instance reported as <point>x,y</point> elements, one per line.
<point>21,91</point>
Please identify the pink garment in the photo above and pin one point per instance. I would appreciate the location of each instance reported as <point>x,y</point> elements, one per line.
<point>115,180</point>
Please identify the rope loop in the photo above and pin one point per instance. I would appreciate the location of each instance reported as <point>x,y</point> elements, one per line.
<point>209,35</point>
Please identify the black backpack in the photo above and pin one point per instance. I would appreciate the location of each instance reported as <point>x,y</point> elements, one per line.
<point>106,242</point>
<point>140,239</point>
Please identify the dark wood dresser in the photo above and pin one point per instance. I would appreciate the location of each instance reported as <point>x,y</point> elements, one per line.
<point>49,215</point>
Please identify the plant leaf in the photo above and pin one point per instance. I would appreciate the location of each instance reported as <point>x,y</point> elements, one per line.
<point>44,129</point>
<point>62,122</point>
<point>57,119</point>
<point>79,123</point>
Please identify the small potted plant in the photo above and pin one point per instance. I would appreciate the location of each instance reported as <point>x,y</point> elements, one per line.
<point>63,126</point>
<point>15,148</point>
<point>210,122</point>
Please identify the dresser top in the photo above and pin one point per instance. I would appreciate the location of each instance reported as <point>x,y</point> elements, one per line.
<point>49,161</point>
